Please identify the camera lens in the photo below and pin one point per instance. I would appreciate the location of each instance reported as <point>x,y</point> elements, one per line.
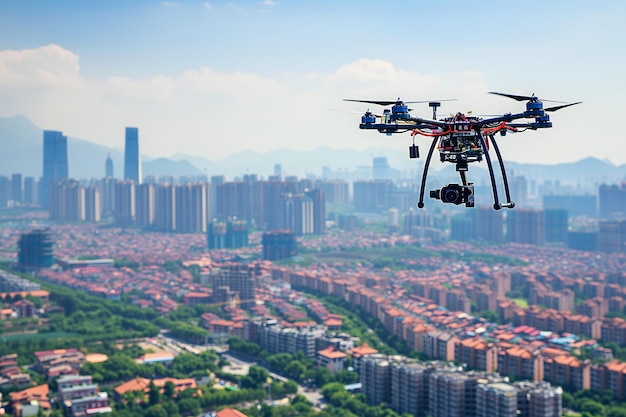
<point>451,195</point>
<point>434,193</point>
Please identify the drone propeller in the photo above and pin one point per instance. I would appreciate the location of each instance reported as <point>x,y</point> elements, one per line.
<point>523,98</point>
<point>555,108</point>
<point>390,102</point>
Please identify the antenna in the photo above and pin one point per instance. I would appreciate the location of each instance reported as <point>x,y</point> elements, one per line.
<point>434,105</point>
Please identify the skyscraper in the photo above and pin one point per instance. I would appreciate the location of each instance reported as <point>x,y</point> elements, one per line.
<point>54,162</point>
<point>30,190</point>
<point>108,167</point>
<point>17,190</point>
<point>132,157</point>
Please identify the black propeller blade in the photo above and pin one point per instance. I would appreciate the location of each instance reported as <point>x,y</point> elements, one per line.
<point>390,102</point>
<point>513,96</point>
<point>523,98</point>
<point>555,108</point>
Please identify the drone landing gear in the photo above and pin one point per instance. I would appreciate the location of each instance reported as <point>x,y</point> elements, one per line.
<point>496,204</point>
<point>420,204</point>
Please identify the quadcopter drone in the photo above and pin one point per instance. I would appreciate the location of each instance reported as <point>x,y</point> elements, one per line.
<point>460,139</point>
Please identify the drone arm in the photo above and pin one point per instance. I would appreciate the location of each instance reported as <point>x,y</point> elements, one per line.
<point>504,118</point>
<point>429,123</point>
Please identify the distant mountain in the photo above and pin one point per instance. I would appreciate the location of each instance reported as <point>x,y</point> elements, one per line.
<point>21,151</point>
<point>21,145</point>
<point>299,163</point>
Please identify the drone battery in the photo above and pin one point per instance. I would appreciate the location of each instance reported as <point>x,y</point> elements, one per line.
<point>414,151</point>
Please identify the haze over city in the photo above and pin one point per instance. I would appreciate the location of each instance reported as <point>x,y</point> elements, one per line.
<point>215,78</point>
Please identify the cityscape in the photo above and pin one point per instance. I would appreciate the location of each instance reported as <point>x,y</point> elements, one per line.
<point>475,311</point>
<point>265,208</point>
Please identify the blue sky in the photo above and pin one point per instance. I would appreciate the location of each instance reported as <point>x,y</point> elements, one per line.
<point>212,78</point>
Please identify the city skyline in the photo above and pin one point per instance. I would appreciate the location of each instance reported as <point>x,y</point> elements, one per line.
<point>212,79</point>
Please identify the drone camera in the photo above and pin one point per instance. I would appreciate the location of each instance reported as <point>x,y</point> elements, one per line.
<point>414,151</point>
<point>455,194</point>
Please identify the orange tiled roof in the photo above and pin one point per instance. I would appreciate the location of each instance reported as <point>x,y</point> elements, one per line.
<point>332,353</point>
<point>362,350</point>
<point>230,412</point>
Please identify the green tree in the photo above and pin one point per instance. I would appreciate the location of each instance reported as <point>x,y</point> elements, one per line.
<point>154,394</point>
<point>189,406</point>
<point>169,390</point>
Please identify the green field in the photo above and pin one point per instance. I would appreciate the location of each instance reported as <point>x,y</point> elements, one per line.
<point>520,302</point>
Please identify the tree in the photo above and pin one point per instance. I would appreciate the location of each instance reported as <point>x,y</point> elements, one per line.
<point>189,406</point>
<point>593,407</point>
<point>154,394</point>
<point>258,375</point>
<point>169,390</point>
<point>295,370</point>
<point>330,389</point>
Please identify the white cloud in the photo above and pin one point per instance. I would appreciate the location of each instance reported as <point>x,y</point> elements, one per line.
<point>45,66</point>
<point>206,112</point>
<point>207,5</point>
<point>170,3</point>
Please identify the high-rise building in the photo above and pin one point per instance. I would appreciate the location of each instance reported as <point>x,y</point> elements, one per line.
<point>318,197</point>
<point>108,167</point>
<point>227,235</point>
<point>237,279</point>
<point>67,201</point>
<point>409,390</point>
<point>30,190</point>
<point>216,181</point>
<point>278,170</point>
<point>145,205</point>
<point>93,204</point>
<point>489,224</point>
<point>612,236</point>
<point>279,244</point>
<point>583,240</point>
<point>519,190</point>
<point>296,214</point>
<point>35,249</point>
<point>373,195</point>
<point>381,170</point>
<point>463,228</point>
<point>5,191</point>
<point>375,377</point>
<point>132,157</point>
<point>335,191</point>
<point>556,223</point>
<point>54,163</point>
<point>124,203</point>
<point>107,187</point>
<point>17,190</point>
<point>191,200</point>
<point>525,226</point>
<point>576,205</point>
<point>612,201</point>
<point>539,399</point>
<point>452,394</point>
<point>496,400</point>
<point>266,201</point>
<point>235,200</point>
<point>165,209</point>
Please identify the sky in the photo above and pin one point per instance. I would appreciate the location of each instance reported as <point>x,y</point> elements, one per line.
<point>212,78</point>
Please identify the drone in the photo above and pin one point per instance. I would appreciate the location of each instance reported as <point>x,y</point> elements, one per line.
<point>460,139</point>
